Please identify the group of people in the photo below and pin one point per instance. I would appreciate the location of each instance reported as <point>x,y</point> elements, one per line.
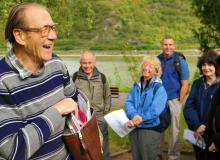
<point>37,92</point>
<point>164,80</point>
<point>144,104</point>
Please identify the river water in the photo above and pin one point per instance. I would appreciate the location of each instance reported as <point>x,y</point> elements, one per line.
<point>115,67</point>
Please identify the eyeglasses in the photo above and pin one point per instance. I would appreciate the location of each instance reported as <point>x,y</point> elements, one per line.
<point>147,65</point>
<point>44,31</point>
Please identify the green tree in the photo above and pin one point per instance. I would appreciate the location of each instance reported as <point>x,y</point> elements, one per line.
<point>4,8</point>
<point>83,17</point>
<point>107,24</point>
<point>209,13</point>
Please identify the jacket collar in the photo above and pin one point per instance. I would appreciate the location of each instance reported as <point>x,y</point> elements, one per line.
<point>170,57</point>
<point>206,85</point>
<point>82,75</point>
<point>154,79</point>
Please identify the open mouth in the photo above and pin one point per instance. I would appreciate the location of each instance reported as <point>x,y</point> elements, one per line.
<point>47,46</point>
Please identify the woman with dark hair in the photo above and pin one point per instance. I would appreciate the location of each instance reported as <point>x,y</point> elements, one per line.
<point>198,103</point>
<point>213,127</point>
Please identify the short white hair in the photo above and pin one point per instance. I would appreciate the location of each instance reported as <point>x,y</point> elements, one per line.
<point>155,62</point>
<point>87,52</point>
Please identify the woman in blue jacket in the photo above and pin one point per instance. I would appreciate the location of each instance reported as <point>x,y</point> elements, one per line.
<point>144,104</point>
<point>198,103</point>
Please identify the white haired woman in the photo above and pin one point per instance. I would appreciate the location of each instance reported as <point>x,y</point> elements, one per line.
<point>143,106</point>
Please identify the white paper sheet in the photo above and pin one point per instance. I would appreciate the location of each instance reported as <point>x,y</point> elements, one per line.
<point>189,135</point>
<point>116,120</point>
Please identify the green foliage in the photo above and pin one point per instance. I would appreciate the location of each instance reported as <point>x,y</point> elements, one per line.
<point>4,7</point>
<point>147,22</point>
<point>209,14</point>
<point>196,75</point>
<point>117,81</point>
<point>114,138</point>
<point>133,63</point>
<point>82,17</point>
<point>108,24</point>
<point>117,77</point>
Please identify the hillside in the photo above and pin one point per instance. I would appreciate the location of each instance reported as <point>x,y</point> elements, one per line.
<point>122,24</point>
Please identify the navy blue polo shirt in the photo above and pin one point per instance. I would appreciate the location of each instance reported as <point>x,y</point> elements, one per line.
<point>171,79</point>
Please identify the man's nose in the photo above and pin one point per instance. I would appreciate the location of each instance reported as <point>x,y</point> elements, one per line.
<point>52,35</point>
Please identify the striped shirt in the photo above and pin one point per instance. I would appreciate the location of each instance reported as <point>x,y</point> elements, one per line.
<point>29,127</point>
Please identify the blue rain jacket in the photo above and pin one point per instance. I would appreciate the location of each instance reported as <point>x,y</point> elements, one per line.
<point>148,103</point>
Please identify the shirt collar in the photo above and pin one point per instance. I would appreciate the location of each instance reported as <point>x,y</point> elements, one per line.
<point>22,70</point>
<point>170,57</point>
<point>208,85</point>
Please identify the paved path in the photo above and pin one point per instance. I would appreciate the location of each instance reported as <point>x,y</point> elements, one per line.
<point>119,102</point>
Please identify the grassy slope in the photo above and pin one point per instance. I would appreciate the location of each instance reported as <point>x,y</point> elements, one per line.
<point>126,24</point>
<point>138,24</point>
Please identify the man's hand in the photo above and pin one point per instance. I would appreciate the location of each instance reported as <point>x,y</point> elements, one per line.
<point>212,148</point>
<point>66,106</point>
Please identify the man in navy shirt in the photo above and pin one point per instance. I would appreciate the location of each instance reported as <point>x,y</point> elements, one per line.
<point>176,84</point>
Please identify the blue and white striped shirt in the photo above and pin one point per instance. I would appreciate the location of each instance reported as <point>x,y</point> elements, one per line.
<point>29,127</point>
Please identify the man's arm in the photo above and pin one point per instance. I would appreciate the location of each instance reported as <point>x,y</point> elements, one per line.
<point>20,140</point>
<point>21,137</point>
<point>184,80</point>
<point>183,90</point>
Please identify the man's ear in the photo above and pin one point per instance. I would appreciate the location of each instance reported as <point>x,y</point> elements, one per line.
<point>19,36</point>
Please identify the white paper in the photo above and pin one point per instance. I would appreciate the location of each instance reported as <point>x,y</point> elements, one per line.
<point>189,135</point>
<point>117,120</point>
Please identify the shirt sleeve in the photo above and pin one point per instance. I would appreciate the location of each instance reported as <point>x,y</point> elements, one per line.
<point>20,139</point>
<point>190,109</point>
<point>130,109</point>
<point>184,69</point>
